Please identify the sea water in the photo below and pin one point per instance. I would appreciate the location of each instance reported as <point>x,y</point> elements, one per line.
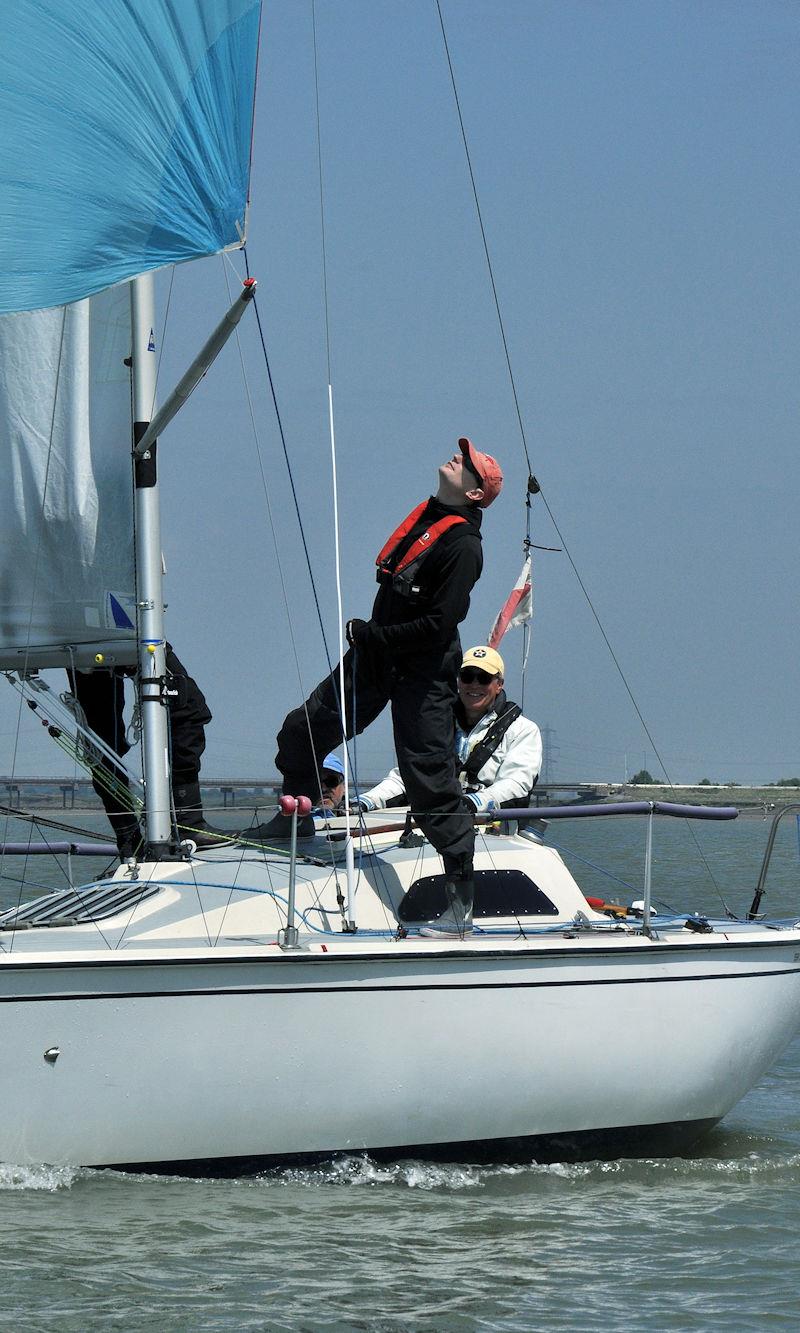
<point>707,1241</point>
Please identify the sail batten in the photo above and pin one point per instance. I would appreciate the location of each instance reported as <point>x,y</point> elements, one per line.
<point>126,140</point>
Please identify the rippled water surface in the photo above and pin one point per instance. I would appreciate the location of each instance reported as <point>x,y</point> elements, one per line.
<point>705,1242</point>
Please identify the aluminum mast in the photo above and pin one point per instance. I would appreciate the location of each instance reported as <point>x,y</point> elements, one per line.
<point>149,580</point>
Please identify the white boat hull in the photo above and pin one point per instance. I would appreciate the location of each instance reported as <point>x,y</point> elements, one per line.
<point>213,1060</point>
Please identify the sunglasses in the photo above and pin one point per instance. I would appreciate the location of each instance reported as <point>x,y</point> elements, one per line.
<point>473,676</point>
<point>331,779</point>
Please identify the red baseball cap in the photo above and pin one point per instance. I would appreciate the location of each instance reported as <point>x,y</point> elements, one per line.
<point>486,468</point>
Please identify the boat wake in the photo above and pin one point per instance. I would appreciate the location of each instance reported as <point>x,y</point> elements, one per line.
<point>47,1179</point>
<point>769,1160</point>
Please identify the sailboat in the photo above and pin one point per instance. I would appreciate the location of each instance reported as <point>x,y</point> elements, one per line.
<point>221,1010</point>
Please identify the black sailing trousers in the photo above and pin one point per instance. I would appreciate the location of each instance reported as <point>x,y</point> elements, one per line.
<point>101,695</point>
<point>422,693</point>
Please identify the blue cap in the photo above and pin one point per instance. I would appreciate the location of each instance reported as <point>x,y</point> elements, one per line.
<point>333,763</point>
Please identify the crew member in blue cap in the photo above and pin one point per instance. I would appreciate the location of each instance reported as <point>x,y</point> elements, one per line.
<point>331,781</point>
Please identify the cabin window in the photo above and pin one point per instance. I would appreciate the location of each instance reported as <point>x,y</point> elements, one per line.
<point>498,893</point>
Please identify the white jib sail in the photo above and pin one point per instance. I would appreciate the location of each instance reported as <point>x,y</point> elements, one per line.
<point>66,508</point>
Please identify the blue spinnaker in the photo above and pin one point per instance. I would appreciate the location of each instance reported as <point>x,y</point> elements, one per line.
<point>126,131</point>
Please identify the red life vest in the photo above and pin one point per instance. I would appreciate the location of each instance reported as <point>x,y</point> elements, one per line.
<point>404,572</point>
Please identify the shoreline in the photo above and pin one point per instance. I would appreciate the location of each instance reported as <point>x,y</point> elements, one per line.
<point>741,796</point>
<point>77,794</point>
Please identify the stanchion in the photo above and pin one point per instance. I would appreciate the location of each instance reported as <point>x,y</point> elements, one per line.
<point>291,807</point>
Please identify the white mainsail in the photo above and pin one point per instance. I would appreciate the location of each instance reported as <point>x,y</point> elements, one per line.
<point>66,527</point>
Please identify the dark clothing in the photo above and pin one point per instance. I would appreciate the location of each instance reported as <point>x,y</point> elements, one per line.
<point>446,578</point>
<point>101,695</point>
<point>408,657</point>
<point>189,715</point>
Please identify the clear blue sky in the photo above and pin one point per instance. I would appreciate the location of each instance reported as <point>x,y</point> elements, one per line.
<point>637,166</point>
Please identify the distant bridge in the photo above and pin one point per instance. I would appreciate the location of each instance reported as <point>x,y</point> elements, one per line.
<point>71,789</point>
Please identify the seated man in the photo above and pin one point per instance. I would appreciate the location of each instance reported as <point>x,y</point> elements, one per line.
<point>332,783</point>
<point>498,751</point>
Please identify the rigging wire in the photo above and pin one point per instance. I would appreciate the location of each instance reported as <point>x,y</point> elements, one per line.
<point>483,237</point>
<point>35,819</point>
<point>323,233</point>
<point>290,473</point>
<point>73,747</point>
<point>162,342</point>
<point>533,486</point>
<point>263,474</point>
<point>76,745</point>
<point>350,869</point>
<point>137,720</point>
<point>66,724</point>
<point>523,437</point>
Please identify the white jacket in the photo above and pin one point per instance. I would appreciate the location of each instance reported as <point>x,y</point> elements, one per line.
<point>507,775</point>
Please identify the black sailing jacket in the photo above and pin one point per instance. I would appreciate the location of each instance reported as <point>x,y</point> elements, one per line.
<point>446,576</point>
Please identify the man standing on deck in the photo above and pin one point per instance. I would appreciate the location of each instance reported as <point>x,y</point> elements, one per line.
<point>408,654</point>
<point>101,695</point>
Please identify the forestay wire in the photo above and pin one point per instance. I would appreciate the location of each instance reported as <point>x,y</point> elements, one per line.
<point>533,484</point>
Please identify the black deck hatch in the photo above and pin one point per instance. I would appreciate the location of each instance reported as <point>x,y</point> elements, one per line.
<point>498,893</point>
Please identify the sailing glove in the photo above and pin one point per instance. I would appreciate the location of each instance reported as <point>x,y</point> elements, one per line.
<point>479,801</point>
<point>358,807</point>
<point>357,632</point>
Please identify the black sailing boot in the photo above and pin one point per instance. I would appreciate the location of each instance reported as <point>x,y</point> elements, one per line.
<point>456,920</point>
<point>190,818</point>
<point>128,835</point>
<point>279,829</point>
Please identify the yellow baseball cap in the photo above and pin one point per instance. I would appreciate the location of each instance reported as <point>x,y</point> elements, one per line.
<point>485,659</point>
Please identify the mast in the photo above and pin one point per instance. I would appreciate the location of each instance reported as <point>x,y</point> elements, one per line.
<point>150,598</point>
